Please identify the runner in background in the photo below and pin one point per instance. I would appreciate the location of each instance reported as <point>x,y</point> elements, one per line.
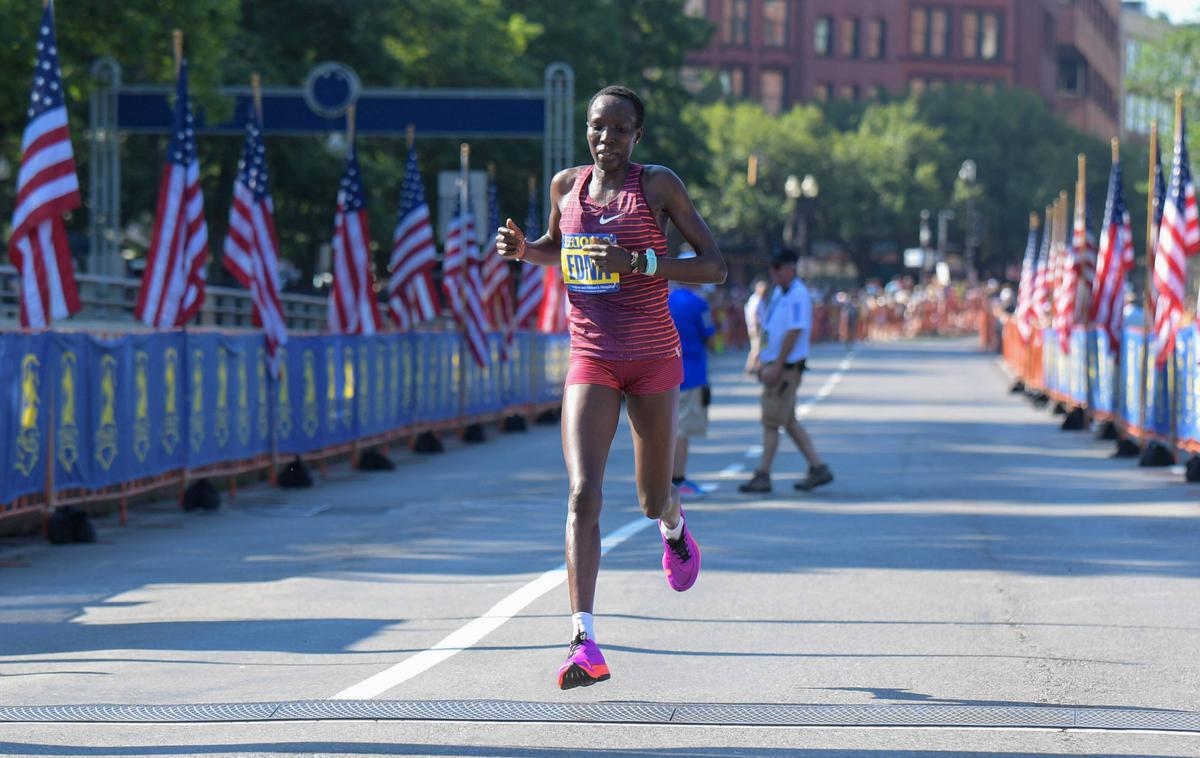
<point>693,319</point>
<point>753,313</point>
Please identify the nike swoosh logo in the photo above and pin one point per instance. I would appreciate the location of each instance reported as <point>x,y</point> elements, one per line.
<point>606,219</point>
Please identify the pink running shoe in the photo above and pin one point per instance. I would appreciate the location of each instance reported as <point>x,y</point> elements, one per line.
<point>584,665</point>
<point>681,559</point>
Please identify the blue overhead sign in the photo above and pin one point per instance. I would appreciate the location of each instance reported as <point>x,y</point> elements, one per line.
<point>434,113</point>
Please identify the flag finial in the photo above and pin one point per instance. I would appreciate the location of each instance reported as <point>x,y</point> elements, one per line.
<point>177,43</point>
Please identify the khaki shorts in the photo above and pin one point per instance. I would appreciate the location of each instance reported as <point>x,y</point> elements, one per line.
<point>693,413</point>
<point>779,400</point>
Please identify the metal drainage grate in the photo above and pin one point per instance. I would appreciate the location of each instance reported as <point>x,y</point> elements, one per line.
<point>697,714</point>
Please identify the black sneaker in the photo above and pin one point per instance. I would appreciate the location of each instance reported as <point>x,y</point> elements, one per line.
<point>758,484</point>
<point>817,476</point>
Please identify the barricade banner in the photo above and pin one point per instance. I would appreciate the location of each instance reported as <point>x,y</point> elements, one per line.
<point>441,376</point>
<point>483,384</point>
<point>298,398</point>
<point>111,398</point>
<point>74,430</point>
<point>514,373</point>
<point>377,396</point>
<point>226,391</point>
<point>28,393</point>
<point>1104,372</point>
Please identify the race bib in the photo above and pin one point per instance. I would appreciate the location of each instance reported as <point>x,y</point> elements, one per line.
<point>580,274</point>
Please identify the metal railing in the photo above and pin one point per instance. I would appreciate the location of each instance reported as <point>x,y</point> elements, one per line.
<point>109,301</point>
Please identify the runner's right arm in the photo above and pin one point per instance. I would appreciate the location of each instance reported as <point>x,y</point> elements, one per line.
<point>546,250</point>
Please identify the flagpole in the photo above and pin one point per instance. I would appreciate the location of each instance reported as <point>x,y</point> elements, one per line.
<point>256,93</point>
<point>1172,389</point>
<point>1083,303</point>
<point>272,370</point>
<point>177,40</point>
<point>1030,299</point>
<point>464,198</point>
<point>1064,239</point>
<point>1118,386</point>
<point>1148,295</point>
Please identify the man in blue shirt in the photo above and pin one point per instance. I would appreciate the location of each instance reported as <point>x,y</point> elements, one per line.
<point>694,321</point>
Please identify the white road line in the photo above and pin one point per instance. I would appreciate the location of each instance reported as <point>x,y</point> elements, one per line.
<point>754,452</point>
<point>733,469</point>
<point>473,631</point>
<point>827,388</point>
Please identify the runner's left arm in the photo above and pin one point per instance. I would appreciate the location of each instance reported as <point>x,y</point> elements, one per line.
<point>664,189</point>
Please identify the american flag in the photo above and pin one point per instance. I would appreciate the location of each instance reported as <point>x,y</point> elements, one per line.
<point>47,187</point>
<point>1070,262</point>
<point>1178,239</point>
<point>1043,285</point>
<point>461,282</point>
<point>251,246</point>
<point>529,286</point>
<point>352,308</point>
<point>497,282</point>
<point>172,288</point>
<point>411,292</point>
<point>553,316</point>
<point>1107,305</point>
<point>1025,296</point>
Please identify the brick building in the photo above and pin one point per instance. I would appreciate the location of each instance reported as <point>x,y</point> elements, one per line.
<point>782,52</point>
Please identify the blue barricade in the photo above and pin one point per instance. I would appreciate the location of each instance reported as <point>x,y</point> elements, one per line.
<point>25,361</point>
<point>141,405</point>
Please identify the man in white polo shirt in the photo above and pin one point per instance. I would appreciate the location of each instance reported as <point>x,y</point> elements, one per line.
<point>786,331</point>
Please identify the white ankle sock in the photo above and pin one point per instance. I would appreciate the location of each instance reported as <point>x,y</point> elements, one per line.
<point>582,622</point>
<point>671,534</point>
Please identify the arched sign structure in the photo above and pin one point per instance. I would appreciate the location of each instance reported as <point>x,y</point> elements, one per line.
<point>319,108</point>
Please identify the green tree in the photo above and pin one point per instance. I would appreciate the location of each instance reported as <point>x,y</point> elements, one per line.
<point>1024,154</point>
<point>749,220</point>
<point>886,170</point>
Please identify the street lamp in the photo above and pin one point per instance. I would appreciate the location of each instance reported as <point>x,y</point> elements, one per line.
<point>809,189</point>
<point>967,173</point>
<point>791,188</point>
<point>801,194</point>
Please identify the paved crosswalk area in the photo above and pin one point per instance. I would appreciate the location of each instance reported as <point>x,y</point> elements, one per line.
<point>970,567</point>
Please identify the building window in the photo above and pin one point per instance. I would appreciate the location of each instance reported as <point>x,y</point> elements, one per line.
<point>929,32</point>
<point>733,82</point>
<point>1072,75</point>
<point>876,93</point>
<point>848,92</point>
<point>939,33</point>
<point>775,22</point>
<point>696,8</point>
<point>823,93</point>
<point>917,85</point>
<point>822,34</point>
<point>918,23</point>
<point>877,39</point>
<point>735,24</point>
<point>981,35</point>
<point>770,90</point>
<point>849,41</point>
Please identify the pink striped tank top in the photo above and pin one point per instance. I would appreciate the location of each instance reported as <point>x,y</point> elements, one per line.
<point>615,317</point>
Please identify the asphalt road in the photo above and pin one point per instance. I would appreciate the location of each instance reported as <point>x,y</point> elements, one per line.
<point>970,568</point>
